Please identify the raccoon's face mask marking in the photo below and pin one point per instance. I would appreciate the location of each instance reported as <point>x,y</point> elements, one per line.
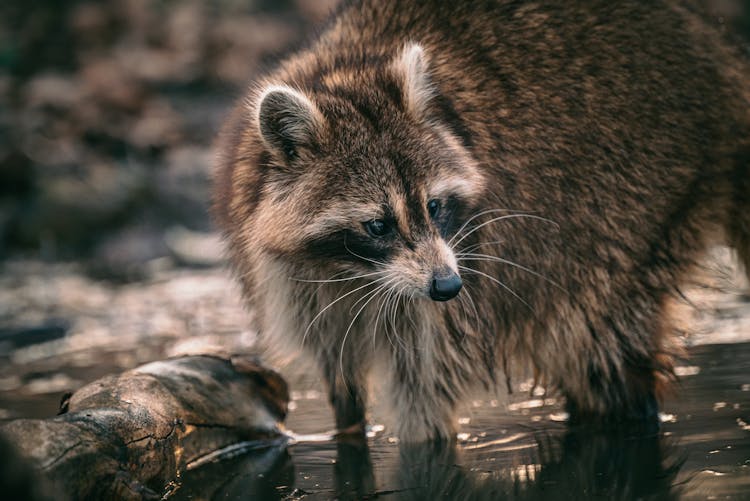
<point>443,281</point>
<point>404,239</point>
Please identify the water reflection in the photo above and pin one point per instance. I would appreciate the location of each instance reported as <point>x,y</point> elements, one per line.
<point>352,471</point>
<point>577,465</point>
<point>571,465</point>
<point>260,474</point>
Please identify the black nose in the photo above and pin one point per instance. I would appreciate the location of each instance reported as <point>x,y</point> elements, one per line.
<point>445,286</point>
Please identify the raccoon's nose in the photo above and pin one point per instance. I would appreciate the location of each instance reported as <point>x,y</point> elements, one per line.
<point>445,286</point>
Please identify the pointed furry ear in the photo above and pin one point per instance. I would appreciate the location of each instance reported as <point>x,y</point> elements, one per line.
<point>288,120</point>
<point>411,67</point>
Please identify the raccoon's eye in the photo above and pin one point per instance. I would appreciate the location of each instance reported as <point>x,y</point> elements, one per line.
<point>377,228</point>
<point>433,208</point>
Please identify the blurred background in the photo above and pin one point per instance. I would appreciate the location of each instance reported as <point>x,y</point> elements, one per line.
<point>107,114</point>
<point>108,111</point>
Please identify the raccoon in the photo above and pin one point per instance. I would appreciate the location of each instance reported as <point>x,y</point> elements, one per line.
<point>445,191</point>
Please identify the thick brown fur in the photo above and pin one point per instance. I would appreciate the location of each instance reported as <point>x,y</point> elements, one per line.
<point>610,140</point>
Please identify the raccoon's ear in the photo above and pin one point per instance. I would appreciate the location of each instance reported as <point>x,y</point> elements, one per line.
<point>288,120</point>
<point>412,71</point>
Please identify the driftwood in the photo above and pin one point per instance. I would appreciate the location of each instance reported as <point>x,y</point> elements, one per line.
<point>131,436</point>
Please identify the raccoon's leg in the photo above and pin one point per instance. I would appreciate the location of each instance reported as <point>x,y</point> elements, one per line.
<point>626,397</point>
<point>346,378</point>
<point>423,397</point>
<point>618,379</point>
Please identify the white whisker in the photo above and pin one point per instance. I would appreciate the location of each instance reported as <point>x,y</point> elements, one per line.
<point>500,218</point>
<point>477,245</point>
<point>391,312</point>
<point>382,302</point>
<point>385,299</point>
<point>333,280</point>
<point>470,301</point>
<point>472,270</point>
<point>365,296</point>
<point>486,257</point>
<point>373,295</point>
<point>368,284</point>
<point>472,218</point>
<point>362,257</point>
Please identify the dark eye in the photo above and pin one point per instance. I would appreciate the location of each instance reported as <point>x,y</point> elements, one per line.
<point>433,208</point>
<point>377,227</point>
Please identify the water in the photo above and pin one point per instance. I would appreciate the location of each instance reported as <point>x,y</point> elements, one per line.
<point>519,448</point>
<point>525,452</point>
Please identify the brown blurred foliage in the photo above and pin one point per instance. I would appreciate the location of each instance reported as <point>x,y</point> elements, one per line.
<point>108,110</point>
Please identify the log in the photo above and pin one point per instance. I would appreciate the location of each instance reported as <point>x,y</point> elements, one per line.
<point>132,435</point>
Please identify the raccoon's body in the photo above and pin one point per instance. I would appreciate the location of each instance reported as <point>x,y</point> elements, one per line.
<point>558,167</point>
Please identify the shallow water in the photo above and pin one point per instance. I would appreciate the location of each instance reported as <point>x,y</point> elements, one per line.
<point>512,447</point>
<point>517,451</point>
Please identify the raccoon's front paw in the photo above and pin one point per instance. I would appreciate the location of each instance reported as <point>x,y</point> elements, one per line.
<point>349,410</point>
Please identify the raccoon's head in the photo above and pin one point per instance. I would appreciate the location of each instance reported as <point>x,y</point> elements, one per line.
<point>362,176</point>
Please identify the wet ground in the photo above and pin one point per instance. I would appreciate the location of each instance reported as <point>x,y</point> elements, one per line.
<point>59,329</point>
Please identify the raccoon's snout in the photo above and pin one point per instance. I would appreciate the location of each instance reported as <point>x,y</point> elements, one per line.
<point>445,285</point>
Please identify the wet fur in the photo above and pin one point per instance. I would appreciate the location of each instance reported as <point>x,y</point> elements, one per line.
<point>615,132</point>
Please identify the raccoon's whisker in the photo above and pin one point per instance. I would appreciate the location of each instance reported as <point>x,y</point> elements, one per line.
<point>385,301</point>
<point>309,326</point>
<point>476,246</point>
<point>468,300</point>
<point>376,319</point>
<point>485,257</point>
<point>400,301</point>
<point>332,280</point>
<point>394,322</point>
<point>366,295</point>
<point>381,304</point>
<point>361,257</point>
<point>475,216</point>
<point>498,282</point>
<point>501,218</point>
<point>348,329</point>
<point>317,289</point>
<point>403,298</point>
<point>384,318</point>
<point>322,284</point>
<point>391,312</point>
<point>478,318</point>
